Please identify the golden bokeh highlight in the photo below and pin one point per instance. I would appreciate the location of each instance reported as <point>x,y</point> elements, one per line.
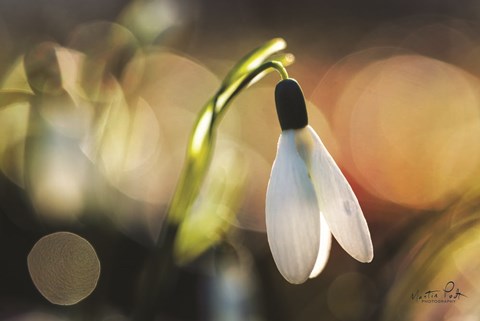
<point>67,111</point>
<point>438,271</point>
<point>64,268</point>
<point>126,139</point>
<point>107,48</point>
<point>408,127</point>
<point>139,137</point>
<point>57,183</point>
<point>168,120</point>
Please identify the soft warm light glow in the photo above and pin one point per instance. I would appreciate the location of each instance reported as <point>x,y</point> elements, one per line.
<point>408,127</point>
<point>58,183</point>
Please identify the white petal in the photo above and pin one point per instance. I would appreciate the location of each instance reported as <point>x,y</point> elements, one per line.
<point>324,251</point>
<point>292,213</point>
<point>338,203</point>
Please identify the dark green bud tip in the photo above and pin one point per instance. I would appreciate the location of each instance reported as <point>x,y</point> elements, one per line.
<point>291,109</point>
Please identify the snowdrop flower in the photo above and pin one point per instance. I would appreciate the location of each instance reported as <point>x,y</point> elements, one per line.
<point>308,198</point>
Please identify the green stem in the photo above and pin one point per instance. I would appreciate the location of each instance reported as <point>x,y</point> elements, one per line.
<point>221,101</point>
<point>160,274</point>
<point>202,139</point>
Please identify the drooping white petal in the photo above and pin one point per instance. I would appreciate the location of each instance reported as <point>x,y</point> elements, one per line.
<point>324,251</point>
<point>292,213</point>
<point>338,203</point>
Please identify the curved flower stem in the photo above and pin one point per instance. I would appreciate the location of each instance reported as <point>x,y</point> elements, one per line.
<point>159,277</point>
<point>252,60</point>
<point>221,101</point>
<point>202,139</point>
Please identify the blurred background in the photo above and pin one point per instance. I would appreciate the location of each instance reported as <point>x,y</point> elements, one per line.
<point>96,104</point>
